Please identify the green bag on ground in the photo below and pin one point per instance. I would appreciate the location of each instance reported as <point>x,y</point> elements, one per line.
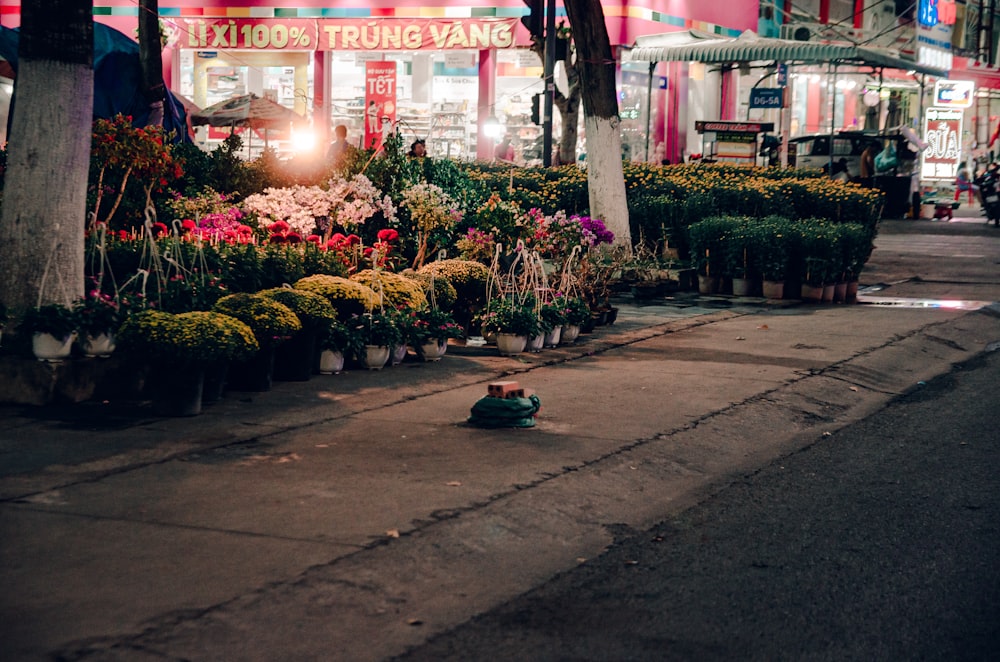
<point>491,412</point>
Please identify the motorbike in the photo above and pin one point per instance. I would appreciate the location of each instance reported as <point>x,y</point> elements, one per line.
<point>989,190</point>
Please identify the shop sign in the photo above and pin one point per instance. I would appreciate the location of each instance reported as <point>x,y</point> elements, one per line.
<point>942,129</point>
<point>380,34</point>
<point>380,101</point>
<point>736,127</point>
<point>954,93</point>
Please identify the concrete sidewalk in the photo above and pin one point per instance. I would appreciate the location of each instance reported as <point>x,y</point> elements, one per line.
<point>354,515</point>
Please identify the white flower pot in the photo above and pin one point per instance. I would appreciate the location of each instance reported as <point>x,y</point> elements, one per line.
<point>375,356</point>
<point>331,362</point>
<point>398,354</point>
<point>552,337</point>
<point>569,333</point>
<point>433,350</point>
<point>536,343</point>
<point>47,347</point>
<point>774,289</point>
<point>101,345</point>
<point>510,344</point>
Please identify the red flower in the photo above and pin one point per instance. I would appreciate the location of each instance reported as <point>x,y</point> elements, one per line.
<point>277,239</point>
<point>293,237</point>
<point>368,250</point>
<point>278,226</point>
<point>388,234</point>
<point>353,239</point>
<point>313,238</point>
<point>188,225</point>
<point>159,229</point>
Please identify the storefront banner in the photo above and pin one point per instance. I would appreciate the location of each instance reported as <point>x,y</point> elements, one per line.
<point>730,145</point>
<point>942,128</point>
<point>380,101</point>
<point>380,34</point>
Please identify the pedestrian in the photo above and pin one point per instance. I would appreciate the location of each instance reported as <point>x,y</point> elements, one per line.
<point>337,153</point>
<point>504,150</point>
<point>867,167</point>
<point>418,148</point>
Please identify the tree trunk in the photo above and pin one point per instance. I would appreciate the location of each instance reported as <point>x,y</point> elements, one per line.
<point>569,110</point>
<point>605,176</point>
<point>45,195</point>
<point>151,59</point>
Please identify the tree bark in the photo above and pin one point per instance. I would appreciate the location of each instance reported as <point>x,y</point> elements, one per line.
<point>151,59</point>
<point>605,176</point>
<point>45,195</point>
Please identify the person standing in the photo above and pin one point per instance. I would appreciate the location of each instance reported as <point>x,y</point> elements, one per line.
<point>504,150</point>
<point>867,167</point>
<point>339,148</point>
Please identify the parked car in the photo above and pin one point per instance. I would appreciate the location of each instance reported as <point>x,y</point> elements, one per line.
<point>813,151</point>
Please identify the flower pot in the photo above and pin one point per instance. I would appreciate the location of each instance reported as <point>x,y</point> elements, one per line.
<point>552,337</point>
<point>397,354</point>
<point>612,315</point>
<point>852,291</point>
<point>253,374</point>
<point>510,344</point>
<point>569,333</point>
<point>828,293</point>
<point>214,383</point>
<point>709,284</point>
<point>47,347</point>
<point>176,389</point>
<point>840,292</point>
<point>588,325</point>
<point>536,343</point>
<point>431,350</point>
<point>375,357</point>
<point>294,359</point>
<point>331,362</point>
<point>101,345</point>
<point>744,287</point>
<point>811,293</point>
<point>773,289</point>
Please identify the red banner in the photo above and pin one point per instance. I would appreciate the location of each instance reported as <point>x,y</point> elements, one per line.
<point>379,34</point>
<point>380,101</point>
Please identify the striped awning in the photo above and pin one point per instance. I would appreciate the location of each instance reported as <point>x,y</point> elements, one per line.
<point>694,46</point>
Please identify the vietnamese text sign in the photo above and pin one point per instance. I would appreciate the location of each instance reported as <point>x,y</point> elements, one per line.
<point>739,145</point>
<point>383,34</point>
<point>942,129</point>
<point>954,93</point>
<point>702,126</point>
<point>380,101</point>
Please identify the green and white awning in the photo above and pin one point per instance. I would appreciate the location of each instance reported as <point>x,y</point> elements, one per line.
<point>696,46</point>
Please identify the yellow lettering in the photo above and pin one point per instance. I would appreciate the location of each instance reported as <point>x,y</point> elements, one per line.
<point>369,36</point>
<point>503,36</point>
<point>350,39</point>
<point>479,36</point>
<point>412,37</point>
<point>392,37</point>
<point>439,37</point>
<point>219,40</point>
<point>458,37</point>
<point>332,31</point>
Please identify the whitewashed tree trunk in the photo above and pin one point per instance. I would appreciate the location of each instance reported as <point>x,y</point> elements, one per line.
<point>605,176</point>
<point>596,62</point>
<point>45,192</point>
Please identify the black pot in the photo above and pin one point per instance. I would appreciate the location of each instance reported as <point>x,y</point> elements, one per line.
<point>254,374</point>
<point>295,358</point>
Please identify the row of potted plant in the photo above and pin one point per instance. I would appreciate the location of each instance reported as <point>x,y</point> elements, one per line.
<point>775,248</point>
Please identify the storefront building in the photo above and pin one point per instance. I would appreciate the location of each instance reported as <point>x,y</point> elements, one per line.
<point>452,67</point>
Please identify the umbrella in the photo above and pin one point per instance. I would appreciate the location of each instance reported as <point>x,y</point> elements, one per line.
<point>247,110</point>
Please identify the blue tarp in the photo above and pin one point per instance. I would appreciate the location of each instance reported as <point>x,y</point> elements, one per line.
<point>117,80</point>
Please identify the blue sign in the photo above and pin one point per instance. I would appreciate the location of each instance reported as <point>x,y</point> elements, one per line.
<point>767,97</point>
<point>782,74</point>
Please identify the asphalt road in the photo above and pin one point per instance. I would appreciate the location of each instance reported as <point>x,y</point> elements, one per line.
<point>877,542</point>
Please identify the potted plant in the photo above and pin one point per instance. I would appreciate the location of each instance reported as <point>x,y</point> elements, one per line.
<point>294,360</point>
<point>512,322</point>
<point>770,254</point>
<point>379,332</point>
<point>552,317</point>
<point>428,331</point>
<point>53,328</point>
<point>338,340</point>
<point>272,323</point>
<point>98,317</point>
<point>179,348</point>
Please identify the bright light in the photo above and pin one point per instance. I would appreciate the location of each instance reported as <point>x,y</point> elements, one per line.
<point>303,141</point>
<point>492,128</point>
